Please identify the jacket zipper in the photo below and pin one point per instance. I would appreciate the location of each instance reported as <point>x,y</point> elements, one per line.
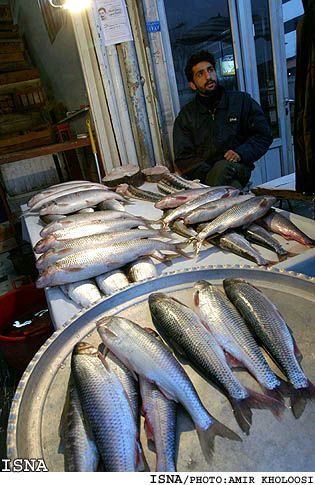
<point>212,113</point>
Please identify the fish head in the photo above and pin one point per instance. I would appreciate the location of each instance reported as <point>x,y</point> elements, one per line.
<point>85,348</point>
<point>44,244</point>
<point>199,287</point>
<point>113,331</point>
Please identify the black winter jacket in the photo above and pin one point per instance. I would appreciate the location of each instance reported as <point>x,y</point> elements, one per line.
<point>237,123</point>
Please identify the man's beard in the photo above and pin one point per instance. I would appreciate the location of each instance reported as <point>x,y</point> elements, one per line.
<point>209,94</point>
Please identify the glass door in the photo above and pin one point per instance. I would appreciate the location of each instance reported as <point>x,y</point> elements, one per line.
<point>195,26</point>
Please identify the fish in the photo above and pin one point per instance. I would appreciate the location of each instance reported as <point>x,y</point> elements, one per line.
<point>112,281</point>
<point>236,243</point>
<point>137,193</point>
<point>78,200</point>
<point>265,320</point>
<point>105,230</point>
<point>84,292</point>
<point>213,209</point>
<point>95,261</point>
<point>148,357</point>
<point>108,409</point>
<point>233,335</point>
<point>47,219</point>
<point>183,329</point>
<point>241,214</point>
<point>58,188</point>
<point>165,188</point>
<point>178,182</point>
<point>80,450</point>
<point>174,200</point>
<point>74,219</point>
<point>44,201</point>
<point>259,235</point>
<point>54,249</point>
<point>181,211</point>
<point>274,221</point>
<point>141,269</point>
<point>179,228</point>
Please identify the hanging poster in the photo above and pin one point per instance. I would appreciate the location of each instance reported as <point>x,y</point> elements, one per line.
<point>114,21</point>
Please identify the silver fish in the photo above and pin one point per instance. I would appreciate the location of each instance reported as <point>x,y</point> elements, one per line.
<point>213,209</point>
<point>56,189</point>
<point>55,249</point>
<point>62,193</point>
<point>172,201</point>
<point>141,269</point>
<point>265,320</point>
<point>74,219</point>
<point>186,333</point>
<point>232,333</point>
<point>85,293</point>
<point>241,214</point>
<point>258,235</point>
<point>181,211</point>
<point>107,407</point>
<point>151,359</point>
<point>112,281</point>
<point>78,200</point>
<point>80,450</point>
<point>95,261</point>
<point>238,244</point>
<point>89,229</point>
<point>110,204</point>
<point>279,224</point>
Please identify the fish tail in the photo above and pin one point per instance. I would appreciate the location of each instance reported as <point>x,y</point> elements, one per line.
<point>207,436</point>
<point>262,401</point>
<point>197,246</point>
<point>299,397</point>
<point>243,414</point>
<point>270,263</point>
<point>283,257</point>
<point>183,244</point>
<point>181,252</point>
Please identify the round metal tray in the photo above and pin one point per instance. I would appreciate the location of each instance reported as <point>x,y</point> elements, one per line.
<point>286,445</point>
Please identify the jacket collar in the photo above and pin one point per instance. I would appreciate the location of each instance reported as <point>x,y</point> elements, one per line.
<point>223,103</point>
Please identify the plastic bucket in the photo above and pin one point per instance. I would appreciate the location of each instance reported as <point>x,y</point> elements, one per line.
<point>14,305</point>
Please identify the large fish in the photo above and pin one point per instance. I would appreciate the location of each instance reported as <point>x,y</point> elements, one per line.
<point>160,416</point>
<point>151,359</point>
<point>93,262</point>
<point>213,209</point>
<point>74,219</point>
<point>171,201</point>
<point>103,229</point>
<point>267,323</point>
<point>232,333</point>
<point>108,409</point>
<point>276,222</point>
<point>259,235</point>
<point>55,249</point>
<point>80,450</point>
<point>241,214</point>
<point>137,193</point>
<point>181,211</point>
<point>182,328</point>
<point>178,182</point>
<point>236,243</point>
<point>78,200</point>
<point>54,190</point>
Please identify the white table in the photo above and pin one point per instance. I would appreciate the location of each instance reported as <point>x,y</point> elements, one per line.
<point>62,309</point>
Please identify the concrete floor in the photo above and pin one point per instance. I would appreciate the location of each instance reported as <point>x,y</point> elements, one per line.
<point>20,262</point>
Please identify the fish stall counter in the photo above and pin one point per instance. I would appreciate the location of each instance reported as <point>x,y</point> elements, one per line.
<point>63,309</point>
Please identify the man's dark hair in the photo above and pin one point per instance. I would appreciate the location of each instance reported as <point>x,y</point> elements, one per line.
<point>195,59</point>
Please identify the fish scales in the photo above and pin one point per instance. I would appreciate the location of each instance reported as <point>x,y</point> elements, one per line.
<point>262,237</point>
<point>240,214</point>
<point>80,450</point>
<point>150,358</point>
<point>238,244</point>
<point>84,293</point>
<point>106,405</point>
<point>95,261</point>
<point>174,200</point>
<point>265,320</point>
<point>231,331</point>
<point>112,281</point>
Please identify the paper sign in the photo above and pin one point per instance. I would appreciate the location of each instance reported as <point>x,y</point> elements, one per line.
<point>114,21</point>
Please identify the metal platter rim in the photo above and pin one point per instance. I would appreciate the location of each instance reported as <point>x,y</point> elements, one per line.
<point>12,451</point>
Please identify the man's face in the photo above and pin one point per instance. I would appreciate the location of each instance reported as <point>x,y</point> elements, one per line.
<point>205,79</point>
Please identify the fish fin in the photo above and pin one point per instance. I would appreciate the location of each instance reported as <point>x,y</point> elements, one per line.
<point>104,361</point>
<point>278,392</point>
<point>73,270</point>
<point>283,257</point>
<point>182,253</point>
<point>141,464</point>
<point>130,368</point>
<point>207,436</point>
<point>264,401</point>
<point>148,428</point>
<point>298,398</point>
<point>183,244</point>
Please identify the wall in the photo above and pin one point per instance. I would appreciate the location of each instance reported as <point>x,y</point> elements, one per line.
<point>58,62</point>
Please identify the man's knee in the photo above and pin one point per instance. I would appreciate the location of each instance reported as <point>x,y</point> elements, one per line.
<point>221,173</point>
